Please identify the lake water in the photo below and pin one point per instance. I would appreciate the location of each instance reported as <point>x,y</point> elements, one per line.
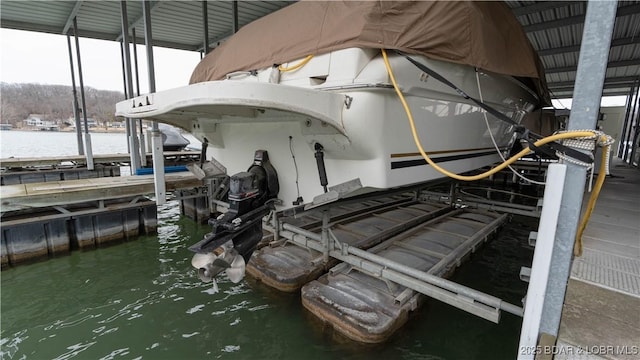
<point>142,300</point>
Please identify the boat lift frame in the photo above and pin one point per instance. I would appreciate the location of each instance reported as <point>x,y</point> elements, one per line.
<point>465,298</point>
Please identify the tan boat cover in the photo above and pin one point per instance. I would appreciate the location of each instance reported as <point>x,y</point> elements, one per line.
<point>481,34</point>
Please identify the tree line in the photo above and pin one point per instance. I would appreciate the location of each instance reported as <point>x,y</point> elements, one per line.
<point>54,102</point>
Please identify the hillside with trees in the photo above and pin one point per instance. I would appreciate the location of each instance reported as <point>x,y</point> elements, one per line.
<point>54,103</point>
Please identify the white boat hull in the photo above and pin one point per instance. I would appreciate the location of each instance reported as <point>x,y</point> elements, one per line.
<point>343,101</point>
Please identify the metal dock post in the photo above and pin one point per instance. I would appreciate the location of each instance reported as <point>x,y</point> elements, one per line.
<point>592,65</point>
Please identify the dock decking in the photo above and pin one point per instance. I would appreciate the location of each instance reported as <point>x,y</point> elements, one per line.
<point>602,305</point>
<point>29,162</point>
<point>38,195</point>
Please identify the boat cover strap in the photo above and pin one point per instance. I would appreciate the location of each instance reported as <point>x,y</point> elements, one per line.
<point>523,133</point>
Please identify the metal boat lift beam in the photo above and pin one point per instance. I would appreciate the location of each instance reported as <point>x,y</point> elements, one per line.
<point>156,137</point>
<point>87,136</point>
<point>131,125</point>
<point>460,296</point>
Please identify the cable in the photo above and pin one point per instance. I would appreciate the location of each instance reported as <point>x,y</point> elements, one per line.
<point>297,66</point>
<point>493,140</point>
<point>295,164</point>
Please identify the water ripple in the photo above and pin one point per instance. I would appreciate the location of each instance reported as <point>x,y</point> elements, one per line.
<point>231,348</point>
<point>195,309</point>
<point>60,324</point>
<point>9,347</point>
<point>114,353</point>
<point>74,350</point>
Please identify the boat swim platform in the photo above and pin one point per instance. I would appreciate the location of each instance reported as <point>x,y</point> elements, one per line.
<point>366,307</point>
<point>602,304</point>
<point>54,161</point>
<point>287,267</point>
<point>60,193</point>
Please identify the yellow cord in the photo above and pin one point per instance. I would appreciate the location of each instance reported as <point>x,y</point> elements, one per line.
<point>577,248</point>
<point>511,160</point>
<point>297,66</point>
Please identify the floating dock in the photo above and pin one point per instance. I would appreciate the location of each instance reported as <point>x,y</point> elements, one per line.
<point>36,162</point>
<point>39,195</point>
<point>46,219</point>
<point>56,173</point>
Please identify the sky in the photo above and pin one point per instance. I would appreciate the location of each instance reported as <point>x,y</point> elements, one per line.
<point>30,57</point>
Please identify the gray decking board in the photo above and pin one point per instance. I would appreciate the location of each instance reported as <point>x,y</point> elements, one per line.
<point>602,305</point>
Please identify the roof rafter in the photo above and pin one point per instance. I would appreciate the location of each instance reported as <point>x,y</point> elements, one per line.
<point>135,23</point>
<point>72,14</point>
<point>576,48</point>
<point>614,81</point>
<point>541,6</point>
<point>611,64</point>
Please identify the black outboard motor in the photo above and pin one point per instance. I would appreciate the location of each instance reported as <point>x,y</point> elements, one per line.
<point>237,232</point>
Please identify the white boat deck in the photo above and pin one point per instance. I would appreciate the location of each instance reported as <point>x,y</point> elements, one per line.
<point>602,305</point>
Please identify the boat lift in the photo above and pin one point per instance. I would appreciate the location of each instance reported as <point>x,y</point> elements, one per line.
<point>465,298</point>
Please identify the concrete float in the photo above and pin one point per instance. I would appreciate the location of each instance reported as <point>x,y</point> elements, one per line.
<point>194,204</point>
<point>29,236</point>
<point>48,174</point>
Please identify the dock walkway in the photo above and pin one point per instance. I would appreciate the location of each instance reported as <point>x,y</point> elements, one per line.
<point>39,195</point>
<point>602,307</point>
<point>30,162</point>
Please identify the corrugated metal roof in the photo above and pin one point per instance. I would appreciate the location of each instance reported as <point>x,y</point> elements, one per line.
<point>554,29</point>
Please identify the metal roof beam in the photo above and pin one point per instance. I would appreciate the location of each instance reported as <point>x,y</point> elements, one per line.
<point>546,25</point>
<point>50,29</point>
<point>139,40</point>
<point>27,26</point>
<point>615,81</point>
<point>611,64</point>
<point>576,48</point>
<point>541,6</point>
<point>234,28</point>
<point>72,15</point>
<point>568,92</point>
<point>611,88</point>
<point>140,19</point>
<point>578,19</point>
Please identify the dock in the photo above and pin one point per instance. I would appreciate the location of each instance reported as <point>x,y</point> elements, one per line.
<point>35,162</point>
<point>60,193</point>
<point>50,206</point>
<point>601,313</point>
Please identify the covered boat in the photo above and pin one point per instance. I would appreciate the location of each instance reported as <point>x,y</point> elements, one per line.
<point>303,99</point>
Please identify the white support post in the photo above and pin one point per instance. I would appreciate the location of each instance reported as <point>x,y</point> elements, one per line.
<point>541,261</point>
<point>158,166</point>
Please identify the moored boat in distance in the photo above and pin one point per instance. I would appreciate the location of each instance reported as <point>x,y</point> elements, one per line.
<point>327,113</point>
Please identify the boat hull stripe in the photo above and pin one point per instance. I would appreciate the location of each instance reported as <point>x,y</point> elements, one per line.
<point>420,162</point>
